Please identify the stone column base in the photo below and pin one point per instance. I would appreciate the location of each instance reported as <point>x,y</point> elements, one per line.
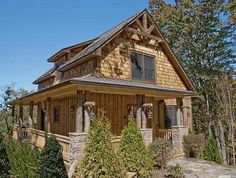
<point>178,133</point>
<point>147,135</point>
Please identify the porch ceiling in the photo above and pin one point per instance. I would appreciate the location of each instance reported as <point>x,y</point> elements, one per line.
<point>102,85</point>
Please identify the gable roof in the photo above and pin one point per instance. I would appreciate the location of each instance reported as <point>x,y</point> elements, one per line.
<point>113,32</point>
<point>46,75</point>
<point>101,40</point>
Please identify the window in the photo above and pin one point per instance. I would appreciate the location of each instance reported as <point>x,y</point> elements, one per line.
<point>170,116</point>
<point>57,114</point>
<point>142,67</point>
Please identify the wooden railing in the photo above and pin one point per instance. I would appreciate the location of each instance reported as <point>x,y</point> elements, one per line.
<point>165,134</point>
<point>38,138</point>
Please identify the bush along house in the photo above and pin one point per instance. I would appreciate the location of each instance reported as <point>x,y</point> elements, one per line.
<point>128,71</point>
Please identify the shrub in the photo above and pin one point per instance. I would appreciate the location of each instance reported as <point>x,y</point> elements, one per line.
<point>51,161</point>
<point>135,155</point>
<point>194,145</point>
<point>161,150</point>
<point>211,152</point>
<point>4,161</point>
<point>176,171</point>
<point>99,159</point>
<point>23,159</point>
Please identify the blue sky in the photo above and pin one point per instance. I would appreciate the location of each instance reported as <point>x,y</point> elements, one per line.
<point>31,31</point>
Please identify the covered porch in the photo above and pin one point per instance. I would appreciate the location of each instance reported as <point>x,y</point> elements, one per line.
<point>67,110</point>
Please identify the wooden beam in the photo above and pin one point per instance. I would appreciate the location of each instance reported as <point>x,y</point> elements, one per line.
<point>150,29</point>
<point>145,21</point>
<point>139,25</point>
<point>145,34</point>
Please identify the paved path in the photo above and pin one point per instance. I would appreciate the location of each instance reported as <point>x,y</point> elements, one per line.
<point>204,169</point>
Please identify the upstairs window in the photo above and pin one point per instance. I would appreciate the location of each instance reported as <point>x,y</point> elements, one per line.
<point>142,67</point>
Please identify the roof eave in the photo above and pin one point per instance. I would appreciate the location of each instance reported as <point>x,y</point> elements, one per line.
<point>65,50</point>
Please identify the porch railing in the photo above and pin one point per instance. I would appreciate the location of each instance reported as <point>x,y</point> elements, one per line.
<point>165,134</point>
<point>38,138</point>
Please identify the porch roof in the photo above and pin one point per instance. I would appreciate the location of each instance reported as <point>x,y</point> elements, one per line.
<point>105,85</point>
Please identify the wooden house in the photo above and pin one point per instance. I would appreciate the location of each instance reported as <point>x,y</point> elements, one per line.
<point>128,71</point>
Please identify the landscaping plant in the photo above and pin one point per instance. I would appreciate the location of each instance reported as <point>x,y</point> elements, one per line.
<point>51,164</point>
<point>176,171</point>
<point>4,161</point>
<point>161,150</point>
<point>99,160</point>
<point>211,152</point>
<point>194,145</point>
<point>135,155</point>
<point>23,159</point>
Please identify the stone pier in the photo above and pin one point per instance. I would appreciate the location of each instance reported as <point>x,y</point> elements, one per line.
<point>178,133</point>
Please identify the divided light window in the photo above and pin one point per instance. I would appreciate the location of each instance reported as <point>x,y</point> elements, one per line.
<point>142,67</point>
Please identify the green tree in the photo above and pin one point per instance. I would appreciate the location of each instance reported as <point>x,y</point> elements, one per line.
<point>7,94</point>
<point>4,161</point>
<point>232,10</point>
<point>23,159</point>
<point>203,41</point>
<point>51,162</point>
<point>211,152</point>
<point>100,159</point>
<point>135,155</point>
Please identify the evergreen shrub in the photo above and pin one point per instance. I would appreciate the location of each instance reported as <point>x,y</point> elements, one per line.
<point>4,160</point>
<point>135,155</point>
<point>100,160</point>
<point>211,152</point>
<point>51,162</point>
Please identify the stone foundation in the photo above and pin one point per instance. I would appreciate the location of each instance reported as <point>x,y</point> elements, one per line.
<point>147,135</point>
<point>77,145</point>
<point>178,133</point>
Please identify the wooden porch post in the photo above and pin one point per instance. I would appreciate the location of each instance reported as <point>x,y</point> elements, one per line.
<point>21,115</point>
<point>47,117</point>
<point>139,111</point>
<point>79,122</point>
<point>13,114</point>
<point>179,112</point>
<point>31,110</point>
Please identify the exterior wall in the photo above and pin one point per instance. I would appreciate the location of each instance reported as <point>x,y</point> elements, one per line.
<point>46,83</point>
<point>67,116</point>
<point>66,124</point>
<point>116,107</point>
<point>80,70</point>
<point>116,62</point>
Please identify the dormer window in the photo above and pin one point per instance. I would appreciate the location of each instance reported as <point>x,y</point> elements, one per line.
<point>143,67</point>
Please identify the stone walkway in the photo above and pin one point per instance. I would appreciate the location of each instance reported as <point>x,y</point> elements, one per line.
<point>204,169</point>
